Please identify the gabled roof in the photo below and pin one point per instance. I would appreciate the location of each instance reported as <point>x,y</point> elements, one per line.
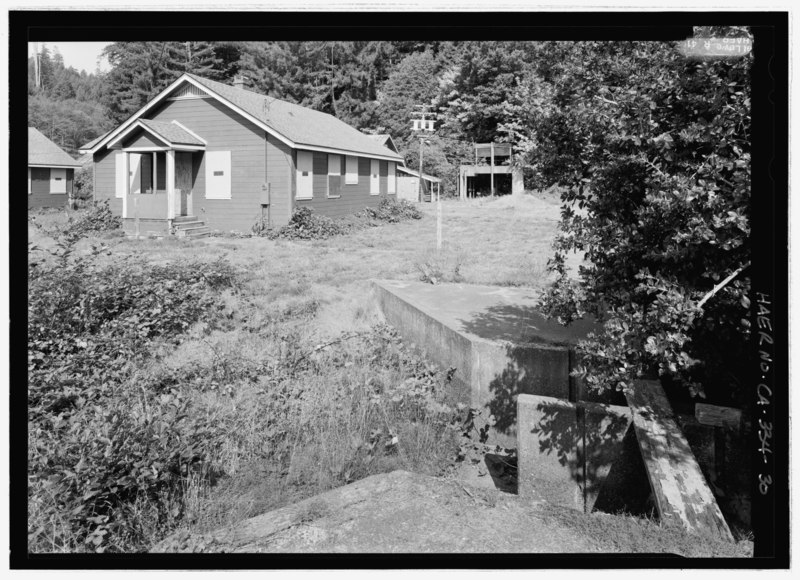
<point>172,134</point>
<point>386,140</point>
<point>297,126</point>
<point>88,146</point>
<point>42,151</point>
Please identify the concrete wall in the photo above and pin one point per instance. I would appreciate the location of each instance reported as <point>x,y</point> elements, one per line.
<point>566,451</point>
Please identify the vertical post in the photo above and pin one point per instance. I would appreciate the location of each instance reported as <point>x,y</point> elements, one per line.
<point>419,181</point>
<point>170,186</point>
<point>154,180</point>
<point>491,149</point>
<point>438,217</point>
<point>127,189</point>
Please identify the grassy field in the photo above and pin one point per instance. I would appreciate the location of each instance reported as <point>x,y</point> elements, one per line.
<point>296,387</point>
<point>351,400</point>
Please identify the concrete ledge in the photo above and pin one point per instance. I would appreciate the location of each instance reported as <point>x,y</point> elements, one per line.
<point>566,450</point>
<point>498,343</point>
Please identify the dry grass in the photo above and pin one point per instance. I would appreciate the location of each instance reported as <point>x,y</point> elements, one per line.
<point>297,294</point>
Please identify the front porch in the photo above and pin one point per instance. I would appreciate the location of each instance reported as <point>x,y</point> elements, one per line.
<point>157,171</point>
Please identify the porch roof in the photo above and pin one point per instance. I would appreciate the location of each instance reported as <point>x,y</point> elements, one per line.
<point>173,134</point>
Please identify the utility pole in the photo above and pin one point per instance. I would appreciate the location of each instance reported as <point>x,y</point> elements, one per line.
<point>423,124</point>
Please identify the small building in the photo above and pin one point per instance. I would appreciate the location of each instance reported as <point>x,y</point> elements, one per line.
<point>51,172</point>
<point>203,154</point>
<point>492,173</point>
<point>408,185</point>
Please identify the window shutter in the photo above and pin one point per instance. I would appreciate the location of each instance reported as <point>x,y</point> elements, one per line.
<point>392,179</point>
<point>351,177</point>
<point>305,175</point>
<point>334,175</point>
<point>122,174</point>
<point>218,174</point>
<point>374,177</point>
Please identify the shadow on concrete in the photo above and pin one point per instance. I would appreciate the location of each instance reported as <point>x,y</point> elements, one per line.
<point>517,323</point>
<point>601,452</point>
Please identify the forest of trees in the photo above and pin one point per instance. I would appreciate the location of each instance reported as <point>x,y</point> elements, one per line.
<point>652,151</point>
<point>373,85</point>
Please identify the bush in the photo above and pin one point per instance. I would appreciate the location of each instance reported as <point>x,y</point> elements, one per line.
<point>305,225</point>
<point>99,441</point>
<point>392,210</point>
<point>437,266</point>
<point>83,187</point>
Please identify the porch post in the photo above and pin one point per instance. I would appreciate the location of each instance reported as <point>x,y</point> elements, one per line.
<point>127,190</point>
<point>170,186</point>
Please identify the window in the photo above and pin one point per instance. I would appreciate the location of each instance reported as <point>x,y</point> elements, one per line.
<point>374,177</point>
<point>218,174</point>
<point>392,179</point>
<point>334,175</point>
<point>351,177</point>
<point>58,181</point>
<point>305,175</point>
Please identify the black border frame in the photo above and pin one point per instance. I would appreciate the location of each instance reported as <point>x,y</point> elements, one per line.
<point>770,241</point>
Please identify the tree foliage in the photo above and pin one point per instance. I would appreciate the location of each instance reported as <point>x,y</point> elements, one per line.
<point>65,107</point>
<point>654,151</point>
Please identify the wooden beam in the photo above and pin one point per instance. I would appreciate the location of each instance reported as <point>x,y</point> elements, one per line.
<point>679,489</point>
<point>726,417</point>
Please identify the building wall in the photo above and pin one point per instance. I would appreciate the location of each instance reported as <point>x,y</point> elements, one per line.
<point>353,198</point>
<point>40,195</point>
<point>280,180</point>
<point>224,130</point>
<point>105,180</point>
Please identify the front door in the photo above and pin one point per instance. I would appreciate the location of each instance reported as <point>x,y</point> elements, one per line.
<point>183,182</point>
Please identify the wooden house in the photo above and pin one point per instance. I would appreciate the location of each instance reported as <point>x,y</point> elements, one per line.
<point>202,154</point>
<point>51,172</point>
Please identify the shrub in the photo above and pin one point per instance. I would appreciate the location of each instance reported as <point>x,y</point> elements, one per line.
<point>83,186</point>
<point>436,266</point>
<point>392,211</point>
<point>305,225</point>
<point>99,442</point>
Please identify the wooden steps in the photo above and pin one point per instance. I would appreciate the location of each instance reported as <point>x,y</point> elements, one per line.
<point>190,227</point>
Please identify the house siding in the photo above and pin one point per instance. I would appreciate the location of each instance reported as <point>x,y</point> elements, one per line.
<point>105,180</point>
<point>143,139</point>
<point>224,130</point>
<point>40,195</point>
<point>280,180</point>
<point>353,198</point>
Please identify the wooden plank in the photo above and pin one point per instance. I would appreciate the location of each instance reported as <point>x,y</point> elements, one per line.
<point>726,417</point>
<point>679,489</point>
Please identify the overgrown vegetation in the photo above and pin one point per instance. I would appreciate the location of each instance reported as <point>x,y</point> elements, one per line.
<point>306,225</point>
<point>655,151</point>
<point>126,444</point>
